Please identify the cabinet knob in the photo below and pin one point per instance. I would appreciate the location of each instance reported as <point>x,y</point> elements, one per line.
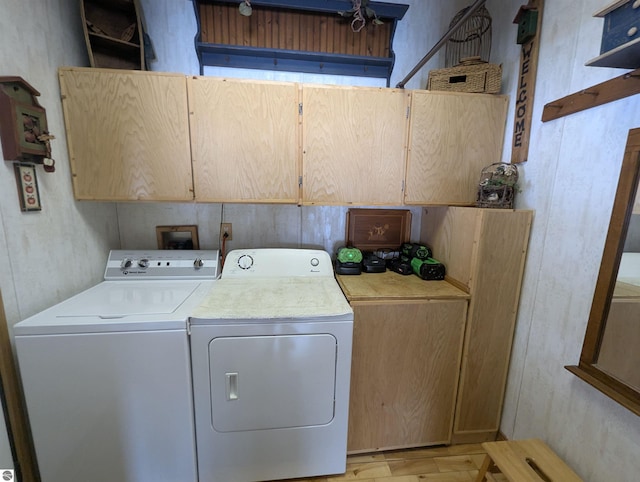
<point>636,4</point>
<point>632,31</point>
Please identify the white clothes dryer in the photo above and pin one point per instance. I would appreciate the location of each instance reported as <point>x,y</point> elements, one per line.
<point>271,362</point>
<point>107,375</point>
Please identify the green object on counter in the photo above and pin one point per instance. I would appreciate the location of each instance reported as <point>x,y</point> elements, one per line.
<point>349,255</point>
<point>429,269</point>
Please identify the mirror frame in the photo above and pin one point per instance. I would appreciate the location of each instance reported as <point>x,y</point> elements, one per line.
<point>587,369</point>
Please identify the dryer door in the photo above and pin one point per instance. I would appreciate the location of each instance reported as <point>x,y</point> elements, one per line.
<point>267,382</point>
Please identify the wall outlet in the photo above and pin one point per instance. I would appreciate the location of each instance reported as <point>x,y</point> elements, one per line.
<point>226,228</point>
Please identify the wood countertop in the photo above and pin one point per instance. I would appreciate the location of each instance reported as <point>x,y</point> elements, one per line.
<point>393,286</point>
<point>625,291</point>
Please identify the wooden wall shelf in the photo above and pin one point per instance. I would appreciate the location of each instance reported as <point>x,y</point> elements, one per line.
<point>113,34</point>
<point>617,88</point>
<point>296,36</point>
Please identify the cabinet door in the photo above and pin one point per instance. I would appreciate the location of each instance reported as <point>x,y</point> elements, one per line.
<point>354,145</point>
<point>404,373</point>
<point>484,251</point>
<point>452,137</point>
<point>244,140</point>
<point>128,135</point>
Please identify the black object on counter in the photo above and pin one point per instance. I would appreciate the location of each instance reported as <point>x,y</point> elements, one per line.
<point>400,265</point>
<point>373,264</point>
<point>416,250</point>
<point>348,268</point>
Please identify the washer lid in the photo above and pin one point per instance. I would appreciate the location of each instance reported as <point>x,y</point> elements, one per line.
<point>121,306</point>
<point>128,298</point>
<point>293,299</point>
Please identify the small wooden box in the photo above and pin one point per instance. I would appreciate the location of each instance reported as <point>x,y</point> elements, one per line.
<point>621,24</point>
<point>478,77</point>
<point>22,120</point>
<point>372,229</point>
<point>620,45</point>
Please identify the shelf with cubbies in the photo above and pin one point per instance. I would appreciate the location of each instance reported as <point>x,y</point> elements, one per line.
<point>113,33</point>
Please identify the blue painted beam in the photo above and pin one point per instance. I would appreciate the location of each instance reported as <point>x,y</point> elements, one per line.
<point>294,60</point>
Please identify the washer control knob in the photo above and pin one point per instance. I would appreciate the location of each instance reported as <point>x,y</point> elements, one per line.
<point>198,263</point>
<point>143,263</point>
<point>126,263</point>
<point>315,262</point>
<point>245,261</point>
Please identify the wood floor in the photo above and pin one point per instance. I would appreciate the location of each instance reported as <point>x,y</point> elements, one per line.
<point>457,463</point>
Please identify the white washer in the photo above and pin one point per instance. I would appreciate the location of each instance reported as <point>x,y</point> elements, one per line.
<point>271,361</point>
<point>107,375</point>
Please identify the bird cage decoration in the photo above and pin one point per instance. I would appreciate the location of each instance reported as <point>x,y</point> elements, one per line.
<point>498,185</point>
<point>472,39</point>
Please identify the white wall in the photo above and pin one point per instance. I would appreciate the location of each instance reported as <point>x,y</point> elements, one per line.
<point>570,182</point>
<point>48,255</point>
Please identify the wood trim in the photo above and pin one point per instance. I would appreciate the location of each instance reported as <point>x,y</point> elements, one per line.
<point>604,383</point>
<point>622,209</point>
<point>17,422</point>
<point>610,8</point>
<point>621,214</point>
<point>617,88</point>
<point>475,437</point>
<point>526,90</point>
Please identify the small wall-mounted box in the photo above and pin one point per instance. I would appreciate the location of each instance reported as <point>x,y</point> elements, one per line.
<point>620,46</point>
<point>22,121</point>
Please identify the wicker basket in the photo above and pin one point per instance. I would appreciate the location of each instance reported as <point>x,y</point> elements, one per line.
<point>471,75</point>
<point>497,186</point>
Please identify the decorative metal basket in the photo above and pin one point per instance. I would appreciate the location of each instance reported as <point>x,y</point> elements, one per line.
<point>498,185</point>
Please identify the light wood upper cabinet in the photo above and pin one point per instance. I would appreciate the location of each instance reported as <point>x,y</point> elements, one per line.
<point>244,140</point>
<point>354,145</point>
<point>128,134</point>
<point>452,137</point>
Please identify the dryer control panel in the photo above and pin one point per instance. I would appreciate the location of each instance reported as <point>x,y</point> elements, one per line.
<point>162,264</point>
<point>277,263</point>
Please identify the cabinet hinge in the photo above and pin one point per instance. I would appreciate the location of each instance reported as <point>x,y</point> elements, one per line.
<point>299,181</point>
<point>408,111</point>
<point>300,108</point>
<point>402,185</point>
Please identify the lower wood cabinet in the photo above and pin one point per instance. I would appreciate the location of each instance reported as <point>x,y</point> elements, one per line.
<point>413,380</point>
<point>484,251</point>
<point>406,360</point>
<point>407,349</point>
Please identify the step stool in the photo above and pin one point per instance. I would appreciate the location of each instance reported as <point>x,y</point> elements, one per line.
<point>524,461</point>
